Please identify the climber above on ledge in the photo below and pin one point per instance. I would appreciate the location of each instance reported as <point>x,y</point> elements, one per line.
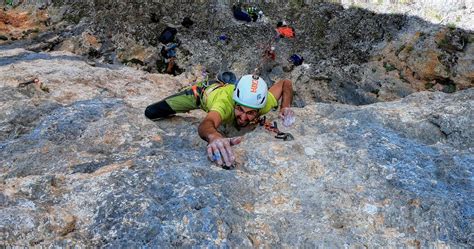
<point>226,103</point>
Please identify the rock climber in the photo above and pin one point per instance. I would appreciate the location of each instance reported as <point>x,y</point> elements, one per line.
<point>239,104</point>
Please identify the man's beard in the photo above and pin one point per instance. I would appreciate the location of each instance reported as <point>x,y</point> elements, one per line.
<point>247,123</point>
<point>243,124</point>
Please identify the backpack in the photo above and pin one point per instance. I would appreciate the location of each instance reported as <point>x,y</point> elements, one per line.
<point>287,32</point>
<point>167,35</point>
<point>296,59</point>
<point>241,15</point>
<point>253,13</point>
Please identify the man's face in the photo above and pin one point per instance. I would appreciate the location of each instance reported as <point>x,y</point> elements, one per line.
<point>244,115</point>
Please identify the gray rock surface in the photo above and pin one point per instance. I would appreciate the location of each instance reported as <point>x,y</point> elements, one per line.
<point>456,12</point>
<point>82,166</point>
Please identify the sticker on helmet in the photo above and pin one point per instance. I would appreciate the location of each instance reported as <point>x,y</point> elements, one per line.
<point>254,86</point>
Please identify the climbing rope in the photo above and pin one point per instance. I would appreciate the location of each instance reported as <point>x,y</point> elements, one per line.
<point>267,54</point>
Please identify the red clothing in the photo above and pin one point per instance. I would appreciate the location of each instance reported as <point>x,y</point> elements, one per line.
<point>286,31</point>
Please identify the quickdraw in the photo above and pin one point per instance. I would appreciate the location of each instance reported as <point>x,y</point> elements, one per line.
<point>274,128</point>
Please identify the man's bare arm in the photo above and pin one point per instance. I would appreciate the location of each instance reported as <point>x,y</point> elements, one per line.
<point>219,148</point>
<point>283,89</point>
<point>208,128</point>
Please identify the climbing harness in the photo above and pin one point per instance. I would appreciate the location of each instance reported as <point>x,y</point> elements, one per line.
<point>274,128</point>
<point>197,91</point>
<point>201,90</point>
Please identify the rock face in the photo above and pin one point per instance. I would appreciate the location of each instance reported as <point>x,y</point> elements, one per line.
<point>82,166</point>
<point>352,55</point>
<point>457,12</point>
<point>18,24</point>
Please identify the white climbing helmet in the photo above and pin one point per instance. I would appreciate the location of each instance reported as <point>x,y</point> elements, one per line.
<point>251,91</point>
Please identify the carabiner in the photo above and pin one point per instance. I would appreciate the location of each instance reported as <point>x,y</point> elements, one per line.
<point>285,136</point>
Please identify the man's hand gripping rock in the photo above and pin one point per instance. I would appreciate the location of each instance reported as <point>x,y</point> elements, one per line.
<point>219,150</point>
<point>288,116</point>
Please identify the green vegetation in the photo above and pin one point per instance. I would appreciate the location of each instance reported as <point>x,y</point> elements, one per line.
<point>389,67</point>
<point>429,85</point>
<point>443,42</point>
<point>451,26</point>
<point>321,27</point>
<point>75,19</point>
<point>470,39</point>
<point>297,3</point>
<point>450,88</point>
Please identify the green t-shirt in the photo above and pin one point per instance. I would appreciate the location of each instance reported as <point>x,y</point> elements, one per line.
<point>221,101</point>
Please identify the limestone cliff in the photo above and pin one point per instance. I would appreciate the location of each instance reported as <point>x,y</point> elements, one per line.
<point>80,165</point>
